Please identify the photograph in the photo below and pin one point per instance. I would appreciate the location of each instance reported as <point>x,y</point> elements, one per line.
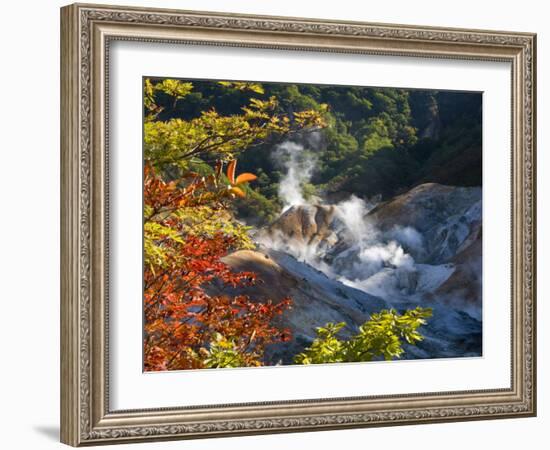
<point>291,220</point>
<point>298,224</point>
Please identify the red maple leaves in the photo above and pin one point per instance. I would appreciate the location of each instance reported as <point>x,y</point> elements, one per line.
<point>188,299</point>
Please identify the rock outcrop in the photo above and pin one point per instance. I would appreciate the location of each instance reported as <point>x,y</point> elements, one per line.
<point>341,262</point>
<point>316,299</point>
<point>443,215</point>
<point>449,221</point>
<point>307,224</point>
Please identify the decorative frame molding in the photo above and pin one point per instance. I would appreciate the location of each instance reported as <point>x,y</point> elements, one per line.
<point>86,31</point>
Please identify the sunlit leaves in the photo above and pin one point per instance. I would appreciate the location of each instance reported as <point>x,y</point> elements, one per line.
<point>243,86</point>
<point>148,95</point>
<point>175,88</point>
<point>309,118</point>
<point>382,336</point>
<point>206,221</point>
<point>223,353</point>
<point>190,320</point>
<point>155,234</point>
<point>212,136</point>
<point>187,231</point>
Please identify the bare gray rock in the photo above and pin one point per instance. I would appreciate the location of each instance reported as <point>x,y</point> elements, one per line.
<point>316,299</point>
<point>342,262</point>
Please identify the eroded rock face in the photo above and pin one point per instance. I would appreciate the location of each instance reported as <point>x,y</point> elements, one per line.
<point>403,247</point>
<point>444,215</point>
<point>425,206</point>
<point>316,299</point>
<point>307,224</point>
<point>449,219</point>
<point>462,290</point>
<point>341,262</point>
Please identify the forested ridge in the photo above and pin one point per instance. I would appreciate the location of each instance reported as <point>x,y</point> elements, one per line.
<point>377,142</point>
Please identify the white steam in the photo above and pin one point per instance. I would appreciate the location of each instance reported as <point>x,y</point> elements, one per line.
<point>355,252</point>
<point>299,165</point>
<point>371,250</point>
<point>352,213</point>
<point>312,253</point>
<point>409,237</point>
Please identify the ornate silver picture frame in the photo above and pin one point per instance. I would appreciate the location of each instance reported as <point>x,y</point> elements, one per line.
<point>87,32</point>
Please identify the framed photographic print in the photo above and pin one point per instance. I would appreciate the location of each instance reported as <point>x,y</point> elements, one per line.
<point>275,224</point>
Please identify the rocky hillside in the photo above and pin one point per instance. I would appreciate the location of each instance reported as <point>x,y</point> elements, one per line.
<point>316,298</point>
<point>339,263</point>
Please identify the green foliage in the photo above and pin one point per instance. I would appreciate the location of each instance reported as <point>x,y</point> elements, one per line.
<point>376,140</point>
<point>175,88</point>
<point>377,136</point>
<point>257,208</point>
<point>243,86</point>
<point>362,123</point>
<point>309,190</point>
<point>154,235</point>
<point>382,336</point>
<point>190,182</point>
<point>206,222</point>
<point>177,142</point>
<point>223,353</point>
<point>195,142</point>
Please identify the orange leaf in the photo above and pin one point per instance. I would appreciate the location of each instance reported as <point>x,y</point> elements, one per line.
<point>231,171</point>
<point>245,177</point>
<point>237,191</point>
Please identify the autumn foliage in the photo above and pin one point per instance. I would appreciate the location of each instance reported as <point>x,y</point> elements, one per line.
<point>192,316</point>
<point>182,319</point>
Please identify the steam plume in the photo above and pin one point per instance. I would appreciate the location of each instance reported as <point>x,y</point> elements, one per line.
<point>299,165</point>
